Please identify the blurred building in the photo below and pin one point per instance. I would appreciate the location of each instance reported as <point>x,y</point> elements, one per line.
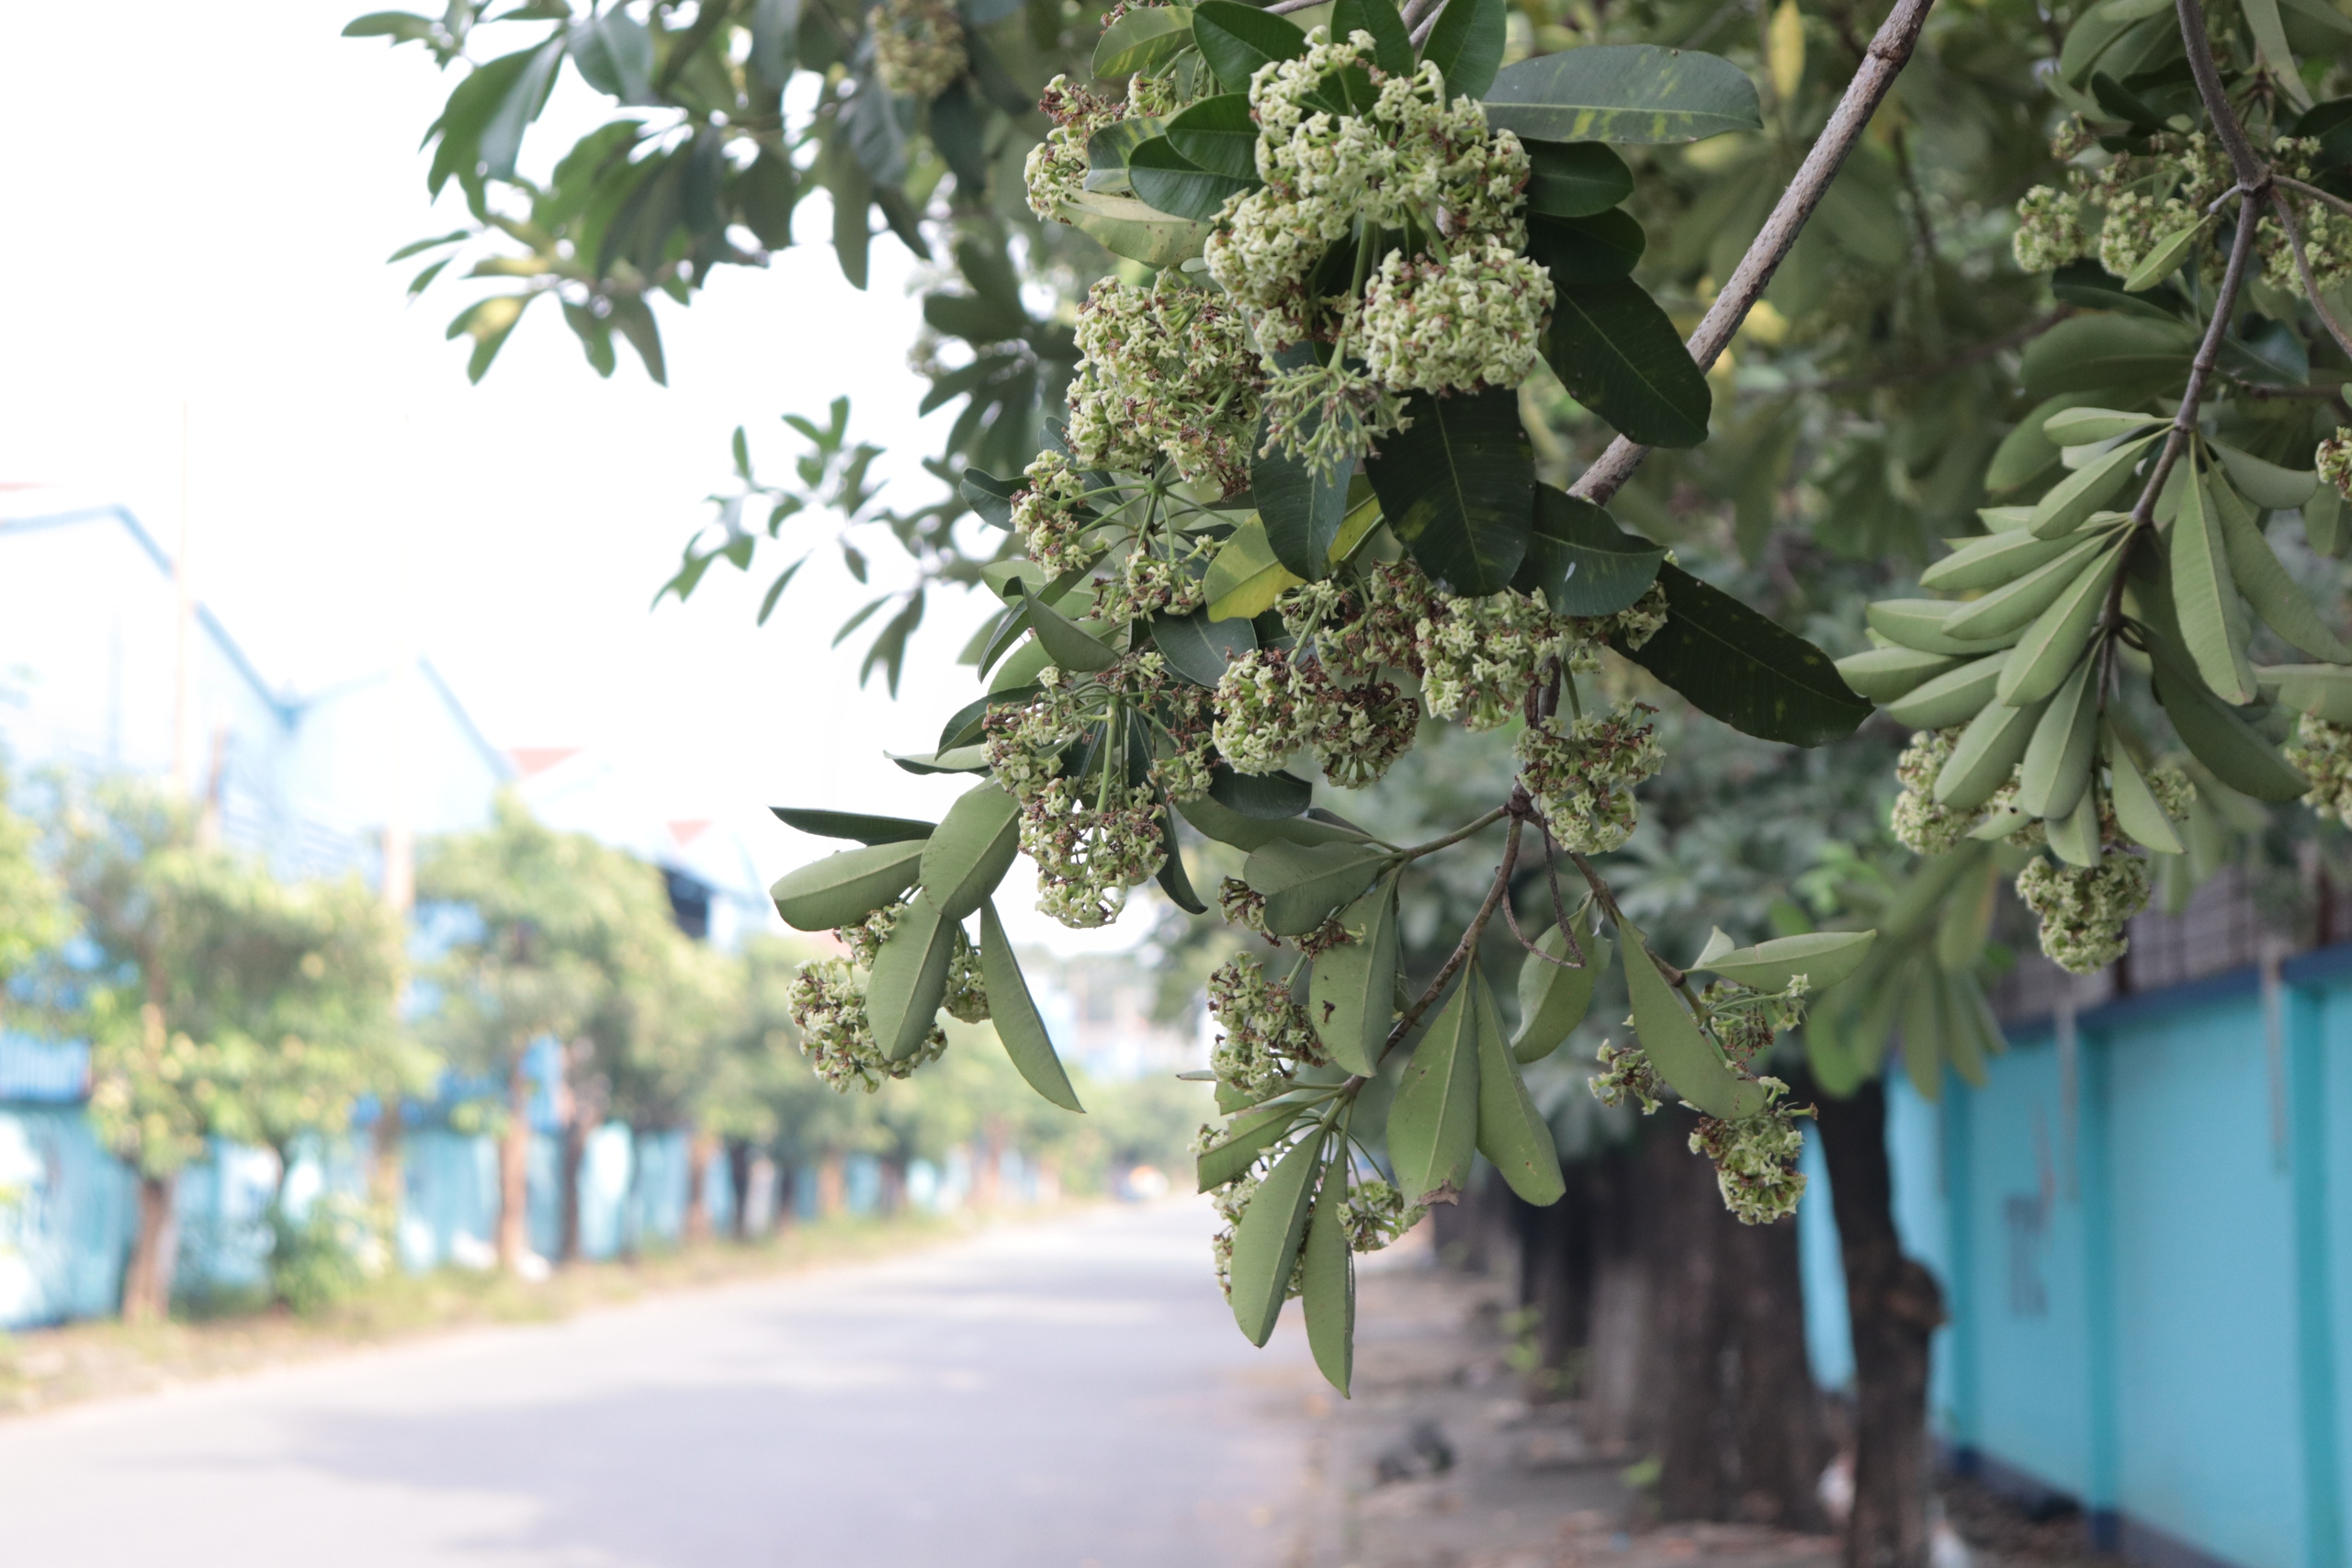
<point>1099,1007</point>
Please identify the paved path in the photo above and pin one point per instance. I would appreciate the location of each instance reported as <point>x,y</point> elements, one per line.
<point>1059,1395</point>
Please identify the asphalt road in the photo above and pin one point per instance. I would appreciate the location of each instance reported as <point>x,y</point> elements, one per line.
<point>1056,1396</point>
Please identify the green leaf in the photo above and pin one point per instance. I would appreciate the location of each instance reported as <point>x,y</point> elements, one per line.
<point>1266,1238</point>
<point>2027,452</point>
<point>959,759</point>
<point>909,978</point>
<point>1581,252</point>
<point>1993,561</point>
<point>1513,1133</point>
<point>615,55</point>
<point>2217,734</point>
<point>1231,1157</point>
<point>1919,623</point>
<point>1301,510</point>
<point>1737,666</point>
<point>1171,876</point>
<point>1350,991</point>
<point>1163,178</point>
<point>2267,485</point>
<point>1392,41</point>
<point>1304,883</point>
<point>2074,499</point>
<point>1466,46</point>
<point>1269,797</point>
<point>974,318</point>
<point>1952,697</point>
<point>1581,561</point>
<point>1619,354</point>
<point>2137,810</point>
<point>842,889</point>
<point>1623,93</point>
<point>1068,644</point>
<point>1553,999</point>
<point>2093,352</point>
<point>2079,427</point>
<point>2008,610</point>
<point>1219,821</point>
<point>2323,691</point>
<point>2057,765</point>
<point>2271,50</point>
<point>2275,595</point>
<point>1245,579</point>
<point>1888,674</point>
<point>989,497</point>
<point>1199,648</point>
<point>1236,40</point>
<point>1575,179</point>
<point>2165,257</point>
<point>1129,227</point>
<point>1433,1124</point>
<point>1677,1047</point>
<point>1328,1285</point>
<point>1991,744</point>
<point>1014,1013</point>
<point>1142,39</point>
<point>2213,622</point>
<point>1219,135</point>
<point>1823,958</point>
<point>1457,486</point>
<point>971,850</point>
<point>2047,651</point>
<point>853,825</point>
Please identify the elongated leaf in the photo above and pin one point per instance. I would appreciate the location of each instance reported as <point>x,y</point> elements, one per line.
<point>2218,735</point>
<point>1619,354</point>
<point>1064,640</point>
<point>2213,622</point>
<point>853,825</point>
<point>1581,561</point>
<point>1623,93</point>
<point>1887,674</point>
<point>1923,1051</point>
<point>2273,594</point>
<point>2058,760</point>
<point>1236,40</point>
<point>1303,884</point>
<point>2137,811</point>
<point>962,760</point>
<point>1014,1014</point>
<point>1433,1125</point>
<point>1581,252</point>
<point>909,977</point>
<point>1328,1283</point>
<point>1736,665</point>
<point>1350,993</point>
<point>1219,135</point>
<point>1392,41</point>
<point>1919,623</point>
<point>2046,653</point>
<point>1300,508</point>
<point>1575,179</point>
<point>1466,46</point>
<point>1950,698</point>
<point>2324,690</point>
<point>1823,958</point>
<point>2265,484</point>
<point>1216,820</point>
<point>1164,179</point>
<point>1199,648</point>
<point>1513,1133</point>
<point>1245,578</point>
<point>1457,487</point>
<point>1266,1238</point>
<point>1677,1047</point>
<point>1141,39</point>
<point>1270,797</point>
<point>2166,257</point>
<point>1993,744</point>
<point>2087,489</point>
<point>842,889</point>
<point>1245,1136</point>
<point>2078,426</point>
<point>1993,561</point>
<point>1127,227</point>
<point>2008,610</point>
<point>972,850</point>
<point>2092,352</point>
<point>1552,1000</point>
<point>1172,877</point>
<point>990,498</point>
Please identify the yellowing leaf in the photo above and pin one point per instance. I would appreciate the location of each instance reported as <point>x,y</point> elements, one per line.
<point>1784,50</point>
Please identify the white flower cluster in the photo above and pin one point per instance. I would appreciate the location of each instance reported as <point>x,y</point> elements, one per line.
<point>1268,705</point>
<point>1473,319</point>
<point>1376,1214</point>
<point>828,1003</point>
<point>1920,825</point>
<point>1056,169</point>
<point>1584,778</point>
<point>1480,657</point>
<point>1755,1158</point>
<point>2084,909</point>
<point>2323,753</point>
<point>1267,1033</point>
<point>1167,373</point>
<point>1627,1074</point>
<point>1048,515</point>
<point>2335,462</point>
<point>919,47</point>
<point>1092,838</point>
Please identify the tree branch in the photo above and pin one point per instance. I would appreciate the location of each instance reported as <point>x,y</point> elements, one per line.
<point>1462,950</point>
<point>2300,188</point>
<point>2303,269</point>
<point>1889,52</point>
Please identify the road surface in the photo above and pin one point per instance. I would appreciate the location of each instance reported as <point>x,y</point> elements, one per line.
<point>1057,1395</point>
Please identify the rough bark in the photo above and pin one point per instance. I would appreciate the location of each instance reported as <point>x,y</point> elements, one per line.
<point>515,1170</point>
<point>701,1149</point>
<point>1895,1305</point>
<point>154,1252</point>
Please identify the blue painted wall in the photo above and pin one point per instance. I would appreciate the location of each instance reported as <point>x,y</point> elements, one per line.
<point>2144,1234</point>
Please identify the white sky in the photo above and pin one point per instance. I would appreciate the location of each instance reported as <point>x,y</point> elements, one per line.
<point>198,212</point>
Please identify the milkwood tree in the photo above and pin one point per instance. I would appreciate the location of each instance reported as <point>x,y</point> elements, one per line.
<point>219,1002</point>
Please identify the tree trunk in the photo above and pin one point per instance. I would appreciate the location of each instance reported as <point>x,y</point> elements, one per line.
<point>1741,1434</point>
<point>575,1154</point>
<point>386,1183</point>
<point>701,1149</point>
<point>514,1172</point>
<point>738,1187</point>
<point>155,1254</point>
<point>1895,1305</point>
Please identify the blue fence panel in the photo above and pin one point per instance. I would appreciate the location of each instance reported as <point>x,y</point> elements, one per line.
<point>67,1210</point>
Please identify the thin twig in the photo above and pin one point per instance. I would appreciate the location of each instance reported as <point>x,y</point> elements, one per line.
<point>2303,268</point>
<point>1889,52</point>
<point>1559,904</point>
<point>1461,954</point>
<point>1427,25</point>
<point>2300,188</point>
<point>1480,825</point>
<point>2200,369</point>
